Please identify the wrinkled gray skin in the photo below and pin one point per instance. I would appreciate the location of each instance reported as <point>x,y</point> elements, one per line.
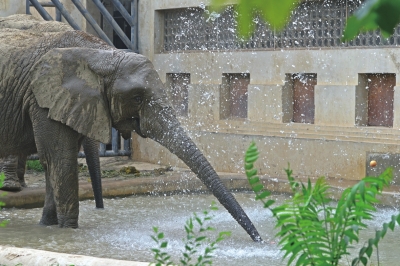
<point>14,170</point>
<point>14,166</point>
<point>58,88</point>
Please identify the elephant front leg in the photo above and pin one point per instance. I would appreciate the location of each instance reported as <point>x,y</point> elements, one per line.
<point>49,214</point>
<point>62,198</point>
<point>58,146</point>
<point>62,191</point>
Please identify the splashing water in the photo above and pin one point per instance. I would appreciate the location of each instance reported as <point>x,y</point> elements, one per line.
<point>123,230</point>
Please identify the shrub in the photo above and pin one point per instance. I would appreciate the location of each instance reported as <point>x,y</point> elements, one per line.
<point>34,165</point>
<point>2,177</point>
<point>195,227</point>
<point>313,232</point>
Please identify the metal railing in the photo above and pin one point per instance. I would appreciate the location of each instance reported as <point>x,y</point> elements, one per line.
<point>117,148</point>
<point>313,24</point>
<point>131,43</point>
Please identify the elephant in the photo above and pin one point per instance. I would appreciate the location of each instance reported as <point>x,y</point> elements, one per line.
<point>14,166</point>
<point>14,169</point>
<point>58,88</point>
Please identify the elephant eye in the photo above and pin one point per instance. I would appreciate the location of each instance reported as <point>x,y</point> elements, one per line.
<point>138,99</point>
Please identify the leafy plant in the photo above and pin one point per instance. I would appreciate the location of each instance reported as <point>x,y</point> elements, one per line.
<point>2,204</point>
<point>374,14</point>
<point>277,13</point>
<point>34,165</point>
<point>312,230</point>
<point>195,228</point>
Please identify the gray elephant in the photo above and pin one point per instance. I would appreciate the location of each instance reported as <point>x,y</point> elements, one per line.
<point>59,87</point>
<point>14,166</point>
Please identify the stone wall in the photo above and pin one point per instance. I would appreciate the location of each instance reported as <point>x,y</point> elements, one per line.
<point>335,145</point>
<point>10,7</point>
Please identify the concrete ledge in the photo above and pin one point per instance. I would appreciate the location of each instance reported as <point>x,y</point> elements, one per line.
<point>178,183</point>
<point>34,257</point>
<point>168,184</point>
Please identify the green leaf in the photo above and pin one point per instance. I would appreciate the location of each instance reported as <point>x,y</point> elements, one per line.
<point>368,251</point>
<point>198,220</point>
<point>374,14</point>
<point>258,188</point>
<point>254,180</point>
<point>362,190</point>
<point>252,173</point>
<point>164,244</point>
<point>248,166</point>
<point>263,195</point>
<point>200,238</point>
<point>355,261</point>
<point>252,147</point>
<point>268,203</point>
<point>251,158</point>
<point>364,260</point>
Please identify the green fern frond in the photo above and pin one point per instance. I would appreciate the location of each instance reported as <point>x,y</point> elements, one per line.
<point>313,232</point>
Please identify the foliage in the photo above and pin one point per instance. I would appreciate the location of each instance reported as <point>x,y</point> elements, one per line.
<point>34,165</point>
<point>383,14</point>
<point>195,239</point>
<point>315,232</point>
<point>277,13</point>
<point>374,14</point>
<point>2,177</point>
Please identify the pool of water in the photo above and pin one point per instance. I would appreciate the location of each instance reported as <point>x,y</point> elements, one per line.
<point>123,230</point>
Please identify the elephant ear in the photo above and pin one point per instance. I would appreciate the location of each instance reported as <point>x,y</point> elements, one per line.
<point>64,81</point>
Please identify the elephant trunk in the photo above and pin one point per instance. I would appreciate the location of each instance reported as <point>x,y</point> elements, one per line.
<point>91,148</point>
<point>166,130</point>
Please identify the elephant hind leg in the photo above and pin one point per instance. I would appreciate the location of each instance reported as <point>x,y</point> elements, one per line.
<point>9,167</point>
<point>21,170</point>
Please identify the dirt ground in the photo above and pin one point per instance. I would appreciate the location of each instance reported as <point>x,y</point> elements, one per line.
<point>112,168</point>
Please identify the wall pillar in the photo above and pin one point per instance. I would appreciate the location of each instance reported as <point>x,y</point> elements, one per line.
<point>11,7</point>
<point>335,105</point>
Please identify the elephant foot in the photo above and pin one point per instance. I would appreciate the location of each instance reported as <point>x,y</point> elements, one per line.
<point>11,185</point>
<point>48,220</point>
<point>65,222</point>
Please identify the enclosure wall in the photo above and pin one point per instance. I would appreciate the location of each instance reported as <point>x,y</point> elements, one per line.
<point>10,7</point>
<point>337,144</point>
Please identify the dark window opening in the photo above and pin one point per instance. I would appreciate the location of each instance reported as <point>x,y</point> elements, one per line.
<point>303,97</point>
<point>380,99</point>
<point>234,97</point>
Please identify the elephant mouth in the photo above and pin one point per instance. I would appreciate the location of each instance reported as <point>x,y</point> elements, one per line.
<point>136,127</point>
<point>126,127</point>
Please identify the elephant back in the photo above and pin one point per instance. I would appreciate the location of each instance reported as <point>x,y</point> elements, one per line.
<point>32,24</point>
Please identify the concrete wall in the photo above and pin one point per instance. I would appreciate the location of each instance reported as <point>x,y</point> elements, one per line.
<point>10,7</point>
<point>333,146</point>
<point>336,145</point>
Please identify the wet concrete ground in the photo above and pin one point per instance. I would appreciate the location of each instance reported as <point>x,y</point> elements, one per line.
<point>117,183</point>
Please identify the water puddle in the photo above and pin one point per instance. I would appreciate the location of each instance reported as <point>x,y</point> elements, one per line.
<point>123,230</point>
